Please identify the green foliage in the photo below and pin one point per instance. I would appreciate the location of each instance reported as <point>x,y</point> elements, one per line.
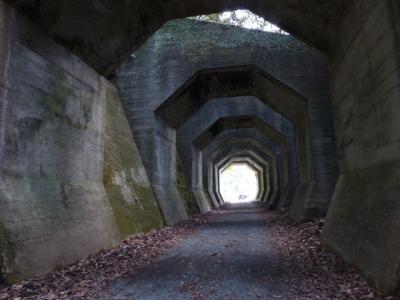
<point>197,38</point>
<point>242,18</point>
<point>211,18</point>
<point>133,218</point>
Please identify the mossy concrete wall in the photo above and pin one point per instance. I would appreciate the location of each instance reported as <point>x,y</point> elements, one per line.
<point>125,179</point>
<point>60,121</point>
<point>53,205</point>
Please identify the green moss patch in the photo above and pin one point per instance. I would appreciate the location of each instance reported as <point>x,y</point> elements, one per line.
<point>141,216</point>
<point>132,200</point>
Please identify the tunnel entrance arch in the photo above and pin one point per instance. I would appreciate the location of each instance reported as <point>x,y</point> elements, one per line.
<point>231,123</point>
<point>255,178</point>
<point>232,107</point>
<point>238,159</point>
<point>243,148</point>
<point>242,139</point>
<point>238,183</point>
<point>226,157</point>
<point>129,24</point>
<point>234,81</point>
<point>251,137</point>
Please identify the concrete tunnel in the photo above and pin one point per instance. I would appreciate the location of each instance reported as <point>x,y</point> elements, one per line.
<point>118,118</point>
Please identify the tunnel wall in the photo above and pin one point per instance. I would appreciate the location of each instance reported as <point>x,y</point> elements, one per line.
<point>184,188</point>
<point>54,207</point>
<point>53,204</point>
<point>363,223</point>
<point>125,179</point>
<point>179,48</point>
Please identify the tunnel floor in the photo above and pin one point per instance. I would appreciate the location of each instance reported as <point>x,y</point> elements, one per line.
<point>239,252</point>
<point>230,258</point>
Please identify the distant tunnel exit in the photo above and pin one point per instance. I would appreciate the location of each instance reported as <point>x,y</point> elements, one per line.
<point>239,183</point>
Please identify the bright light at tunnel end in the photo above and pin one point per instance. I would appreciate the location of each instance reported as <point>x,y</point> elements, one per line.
<point>239,183</point>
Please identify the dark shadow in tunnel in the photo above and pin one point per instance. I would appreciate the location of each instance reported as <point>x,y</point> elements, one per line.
<point>2,281</point>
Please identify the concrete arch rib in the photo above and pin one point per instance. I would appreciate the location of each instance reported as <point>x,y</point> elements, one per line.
<point>224,157</point>
<point>253,138</point>
<point>235,107</point>
<point>238,122</point>
<point>257,164</point>
<point>131,23</point>
<point>239,81</point>
<point>257,151</point>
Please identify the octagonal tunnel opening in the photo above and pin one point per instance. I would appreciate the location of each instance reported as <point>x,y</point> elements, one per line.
<point>239,182</point>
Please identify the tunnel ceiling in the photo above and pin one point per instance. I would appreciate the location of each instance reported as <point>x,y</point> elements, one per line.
<point>245,146</point>
<point>231,81</point>
<point>234,157</point>
<point>105,32</point>
<point>236,122</point>
<point>246,159</point>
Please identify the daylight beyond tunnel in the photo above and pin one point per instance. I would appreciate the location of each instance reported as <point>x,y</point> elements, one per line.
<point>239,183</point>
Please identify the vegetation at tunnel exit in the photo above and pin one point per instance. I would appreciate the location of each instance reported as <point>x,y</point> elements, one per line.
<point>242,18</point>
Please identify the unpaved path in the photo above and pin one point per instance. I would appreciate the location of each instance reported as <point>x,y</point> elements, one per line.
<point>243,252</point>
<point>230,258</point>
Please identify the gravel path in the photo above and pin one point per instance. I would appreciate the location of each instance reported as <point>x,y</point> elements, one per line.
<point>230,258</point>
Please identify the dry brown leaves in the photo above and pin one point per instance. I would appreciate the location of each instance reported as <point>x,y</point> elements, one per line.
<point>311,271</point>
<point>84,279</point>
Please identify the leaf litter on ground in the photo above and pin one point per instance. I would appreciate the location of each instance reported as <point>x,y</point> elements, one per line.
<point>87,277</point>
